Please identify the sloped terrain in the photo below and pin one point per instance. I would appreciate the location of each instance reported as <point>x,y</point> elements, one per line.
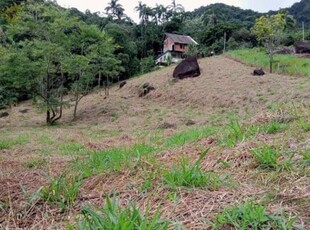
<point>226,110</point>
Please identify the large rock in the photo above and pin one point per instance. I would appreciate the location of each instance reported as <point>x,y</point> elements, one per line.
<point>302,47</point>
<point>258,72</point>
<point>4,114</point>
<point>145,89</point>
<point>187,68</point>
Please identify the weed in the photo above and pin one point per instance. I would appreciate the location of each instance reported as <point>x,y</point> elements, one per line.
<point>304,125</point>
<point>267,157</point>
<point>5,144</point>
<point>36,163</point>
<point>306,157</point>
<point>234,133</point>
<point>113,159</point>
<point>274,127</point>
<point>189,175</point>
<point>62,191</point>
<point>46,140</point>
<point>10,143</point>
<point>113,216</point>
<point>72,148</point>
<point>250,215</point>
<point>190,135</point>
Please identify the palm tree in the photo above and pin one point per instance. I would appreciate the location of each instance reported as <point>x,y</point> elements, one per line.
<point>159,13</point>
<point>144,12</point>
<point>116,9</point>
<point>175,8</point>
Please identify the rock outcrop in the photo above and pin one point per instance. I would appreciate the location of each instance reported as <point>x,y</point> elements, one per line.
<point>187,68</point>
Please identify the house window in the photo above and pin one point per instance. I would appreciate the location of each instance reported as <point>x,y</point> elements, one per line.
<point>182,46</point>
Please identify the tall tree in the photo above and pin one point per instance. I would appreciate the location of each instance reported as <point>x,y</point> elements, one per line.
<point>115,9</point>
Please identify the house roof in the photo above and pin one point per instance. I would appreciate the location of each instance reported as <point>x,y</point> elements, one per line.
<point>182,39</point>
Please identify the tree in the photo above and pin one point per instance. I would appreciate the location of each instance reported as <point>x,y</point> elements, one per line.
<point>175,8</point>
<point>116,9</point>
<point>268,29</point>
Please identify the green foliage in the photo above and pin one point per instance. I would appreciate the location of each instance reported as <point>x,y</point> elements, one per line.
<point>147,64</point>
<point>250,215</point>
<point>268,29</point>
<point>36,163</point>
<point>274,127</point>
<point>288,64</point>
<point>306,157</point>
<point>113,159</point>
<point>188,175</point>
<point>187,136</point>
<point>113,216</point>
<point>267,157</point>
<point>169,59</point>
<point>234,133</point>
<point>72,148</point>
<point>8,143</point>
<point>62,191</point>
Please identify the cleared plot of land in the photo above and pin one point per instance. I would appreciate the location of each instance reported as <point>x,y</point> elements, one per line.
<point>134,149</point>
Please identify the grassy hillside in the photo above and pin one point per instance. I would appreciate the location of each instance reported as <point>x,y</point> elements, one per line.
<point>287,64</point>
<point>223,150</point>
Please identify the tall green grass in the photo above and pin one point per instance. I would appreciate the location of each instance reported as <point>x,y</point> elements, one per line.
<point>113,216</point>
<point>191,175</point>
<point>8,143</point>
<point>250,215</point>
<point>62,191</point>
<point>187,136</point>
<point>114,159</point>
<point>288,64</point>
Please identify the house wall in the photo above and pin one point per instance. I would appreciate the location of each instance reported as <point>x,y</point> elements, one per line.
<point>169,45</point>
<point>180,47</point>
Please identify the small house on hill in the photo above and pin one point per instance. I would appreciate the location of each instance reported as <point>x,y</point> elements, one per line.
<point>176,46</point>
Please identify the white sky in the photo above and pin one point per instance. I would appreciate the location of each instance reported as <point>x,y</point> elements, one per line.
<point>189,5</point>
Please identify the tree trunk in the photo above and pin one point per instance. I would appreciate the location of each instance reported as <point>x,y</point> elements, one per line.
<point>48,116</point>
<point>99,79</point>
<point>75,106</point>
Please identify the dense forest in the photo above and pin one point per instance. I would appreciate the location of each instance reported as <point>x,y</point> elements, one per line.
<point>48,52</point>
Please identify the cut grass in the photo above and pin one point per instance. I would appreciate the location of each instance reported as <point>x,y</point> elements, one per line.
<point>288,64</point>
<point>113,216</point>
<point>250,215</point>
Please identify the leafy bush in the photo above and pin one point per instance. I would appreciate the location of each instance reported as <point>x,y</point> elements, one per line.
<point>147,64</point>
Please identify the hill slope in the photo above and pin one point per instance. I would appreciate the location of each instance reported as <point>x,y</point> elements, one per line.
<point>125,146</point>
